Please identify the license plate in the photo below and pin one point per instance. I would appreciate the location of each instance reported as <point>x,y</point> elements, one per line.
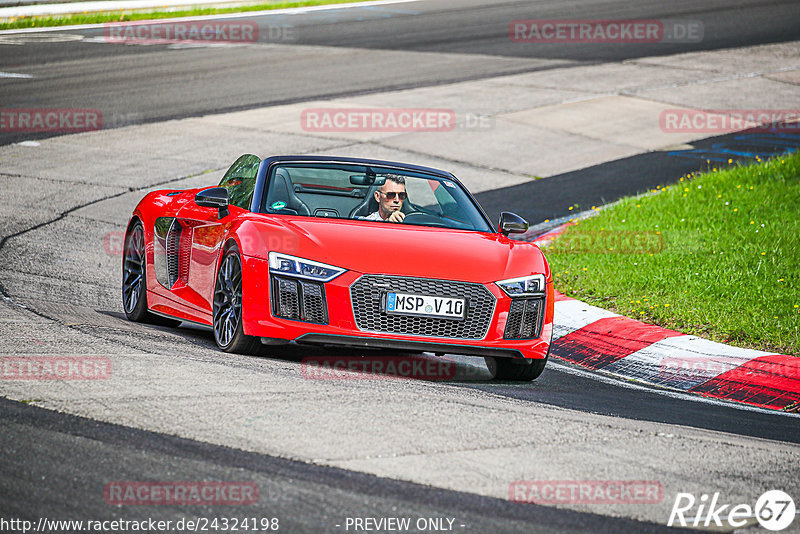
<point>425,305</point>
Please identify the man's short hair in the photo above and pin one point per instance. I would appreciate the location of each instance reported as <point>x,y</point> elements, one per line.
<point>396,178</point>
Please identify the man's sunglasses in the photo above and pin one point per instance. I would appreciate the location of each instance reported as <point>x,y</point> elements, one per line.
<point>390,195</point>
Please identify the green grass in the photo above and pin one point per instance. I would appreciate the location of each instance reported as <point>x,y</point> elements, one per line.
<point>728,267</point>
<point>126,15</point>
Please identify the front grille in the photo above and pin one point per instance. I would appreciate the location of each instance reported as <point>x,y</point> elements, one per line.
<point>367,293</point>
<point>299,300</point>
<point>524,319</point>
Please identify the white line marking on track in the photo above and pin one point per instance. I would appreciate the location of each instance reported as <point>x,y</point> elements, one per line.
<point>14,75</point>
<point>38,38</point>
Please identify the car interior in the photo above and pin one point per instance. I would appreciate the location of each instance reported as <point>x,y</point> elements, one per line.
<point>327,192</point>
<point>323,200</point>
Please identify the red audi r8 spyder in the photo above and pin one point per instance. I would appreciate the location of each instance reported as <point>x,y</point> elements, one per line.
<point>339,251</point>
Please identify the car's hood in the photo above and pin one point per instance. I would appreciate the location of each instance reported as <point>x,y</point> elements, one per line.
<point>375,247</point>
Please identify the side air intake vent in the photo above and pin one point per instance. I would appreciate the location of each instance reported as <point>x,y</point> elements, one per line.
<point>173,252</point>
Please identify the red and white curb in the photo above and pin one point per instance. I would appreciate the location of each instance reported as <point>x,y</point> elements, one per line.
<point>601,340</point>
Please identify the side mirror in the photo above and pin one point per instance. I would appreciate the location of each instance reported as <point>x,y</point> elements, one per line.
<point>511,223</point>
<point>216,197</point>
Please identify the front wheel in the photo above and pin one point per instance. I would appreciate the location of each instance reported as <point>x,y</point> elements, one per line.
<point>227,311</point>
<point>518,370</point>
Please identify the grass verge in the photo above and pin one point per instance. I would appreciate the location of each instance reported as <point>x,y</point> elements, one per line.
<point>126,15</point>
<point>716,255</point>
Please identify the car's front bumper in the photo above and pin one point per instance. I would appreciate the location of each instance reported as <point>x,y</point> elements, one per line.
<point>407,345</point>
<point>342,326</point>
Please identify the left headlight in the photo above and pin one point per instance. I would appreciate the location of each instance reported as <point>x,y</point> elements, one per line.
<point>525,286</point>
<point>280,263</point>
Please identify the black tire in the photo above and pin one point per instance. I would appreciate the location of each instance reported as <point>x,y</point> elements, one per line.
<point>227,310</point>
<point>519,370</point>
<point>134,280</point>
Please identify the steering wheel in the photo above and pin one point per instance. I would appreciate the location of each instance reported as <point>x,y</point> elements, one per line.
<point>419,217</point>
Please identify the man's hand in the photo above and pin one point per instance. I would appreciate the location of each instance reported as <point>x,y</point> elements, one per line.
<point>396,217</point>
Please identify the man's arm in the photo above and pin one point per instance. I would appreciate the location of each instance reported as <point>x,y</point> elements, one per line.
<point>396,217</point>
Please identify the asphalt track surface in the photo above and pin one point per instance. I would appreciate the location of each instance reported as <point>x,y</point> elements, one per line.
<point>62,462</point>
<point>78,456</point>
<point>356,51</point>
<point>75,457</point>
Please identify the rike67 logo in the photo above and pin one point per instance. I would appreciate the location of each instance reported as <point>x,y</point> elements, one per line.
<point>774,510</point>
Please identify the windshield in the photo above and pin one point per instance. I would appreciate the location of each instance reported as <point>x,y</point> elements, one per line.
<point>371,193</point>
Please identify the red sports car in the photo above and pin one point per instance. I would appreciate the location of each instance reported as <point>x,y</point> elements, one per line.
<point>340,251</point>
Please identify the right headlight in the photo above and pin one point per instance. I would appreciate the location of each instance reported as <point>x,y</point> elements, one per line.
<point>280,263</point>
<point>524,286</point>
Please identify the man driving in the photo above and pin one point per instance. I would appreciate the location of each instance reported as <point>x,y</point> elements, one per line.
<point>390,199</point>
